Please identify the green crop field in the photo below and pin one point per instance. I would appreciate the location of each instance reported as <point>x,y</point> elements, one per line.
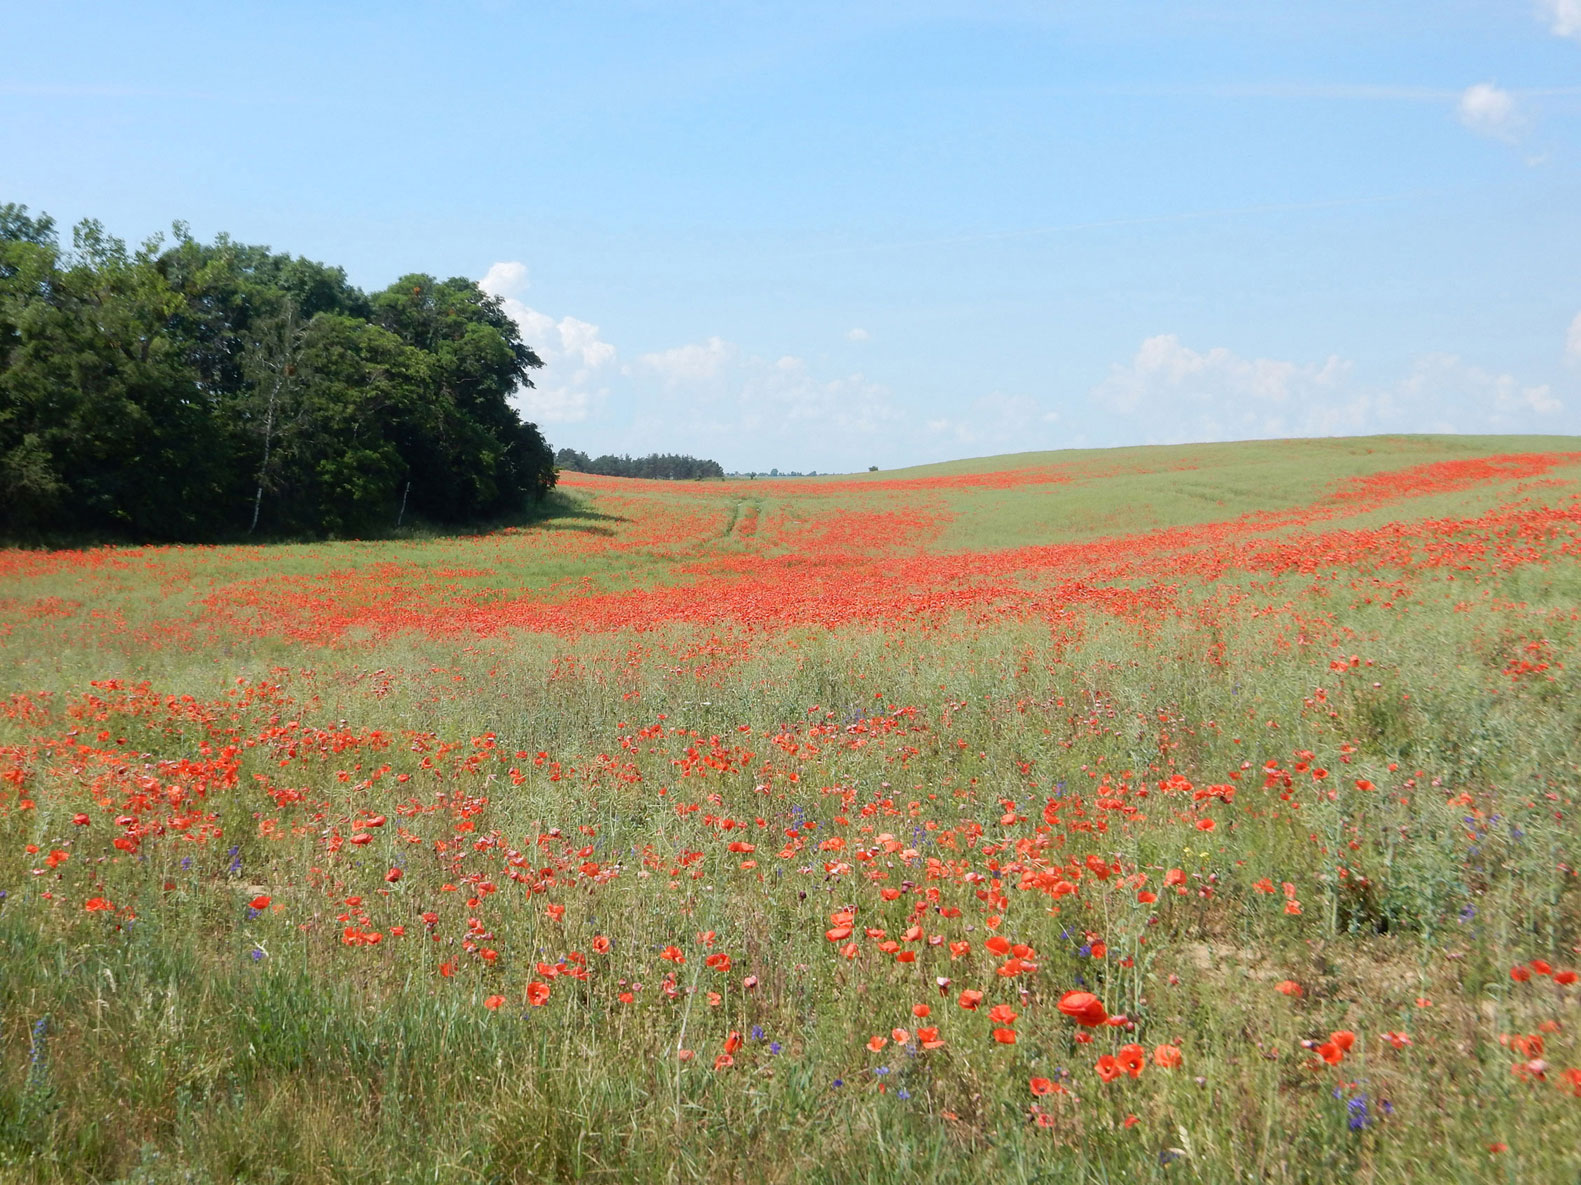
<point>1172,814</point>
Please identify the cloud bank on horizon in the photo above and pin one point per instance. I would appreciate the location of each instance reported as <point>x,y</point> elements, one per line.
<point>715,395</point>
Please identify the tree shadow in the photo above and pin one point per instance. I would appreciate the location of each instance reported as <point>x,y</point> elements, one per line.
<point>555,511</point>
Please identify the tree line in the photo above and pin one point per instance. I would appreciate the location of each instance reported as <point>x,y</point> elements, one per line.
<point>199,391</point>
<point>663,466</point>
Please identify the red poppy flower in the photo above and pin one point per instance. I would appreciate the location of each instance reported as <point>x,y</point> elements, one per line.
<point>1131,1059</point>
<point>1002,1014</point>
<point>260,902</point>
<point>1084,1008</point>
<point>1108,1068</point>
<point>970,999</point>
<point>1005,1036</point>
<point>1166,1057</point>
<point>1288,987</point>
<point>493,1002</point>
<point>1041,1087</point>
<point>537,994</point>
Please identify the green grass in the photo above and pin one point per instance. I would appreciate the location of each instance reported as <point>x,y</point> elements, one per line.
<point>160,1049</point>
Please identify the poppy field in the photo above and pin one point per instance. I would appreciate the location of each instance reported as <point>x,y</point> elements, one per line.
<point>1203,813</point>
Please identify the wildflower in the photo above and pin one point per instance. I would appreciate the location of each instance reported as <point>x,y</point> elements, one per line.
<point>970,999</point>
<point>1084,1008</point>
<point>493,1002</point>
<point>877,1044</point>
<point>1131,1059</point>
<point>1288,987</point>
<point>1108,1068</point>
<point>1041,1087</point>
<point>1166,1057</point>
<point>1005,1036</point>
<point>537,993</point>
<point>1002,1014</point>
<point>1357,1116</point>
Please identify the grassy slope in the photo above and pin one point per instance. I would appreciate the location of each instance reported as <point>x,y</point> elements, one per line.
<point>169,1052</point>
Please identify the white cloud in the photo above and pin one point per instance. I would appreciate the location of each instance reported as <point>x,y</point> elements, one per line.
<point>1489,111</point>
<point>1170,393</point>
<point>1179,394</point>
<point>1573,341</point>
<point>1472,398</point>
<point>577,362</point>
<point>689,364</point>
<point>1564,17</point>
<point>505,279</point>
<point>996,423</point>
<point>857,335</point>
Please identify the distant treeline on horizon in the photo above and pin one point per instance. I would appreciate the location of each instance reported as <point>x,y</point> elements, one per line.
<point>658,466</point>
<point>191,391</point>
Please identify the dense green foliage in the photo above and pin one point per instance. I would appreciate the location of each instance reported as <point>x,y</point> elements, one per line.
<point>664,466</point>
<point>191,391</point>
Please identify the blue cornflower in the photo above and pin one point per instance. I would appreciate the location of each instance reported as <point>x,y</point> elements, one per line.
<point>774,1046</point>
<point>757,1032</point>
<point>1356,1111</point>
<point>902,1093</point>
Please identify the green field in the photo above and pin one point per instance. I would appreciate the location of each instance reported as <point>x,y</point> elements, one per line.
<point>667,835</point>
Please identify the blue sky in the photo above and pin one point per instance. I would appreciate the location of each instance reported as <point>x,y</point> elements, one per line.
<point>828,235</point>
